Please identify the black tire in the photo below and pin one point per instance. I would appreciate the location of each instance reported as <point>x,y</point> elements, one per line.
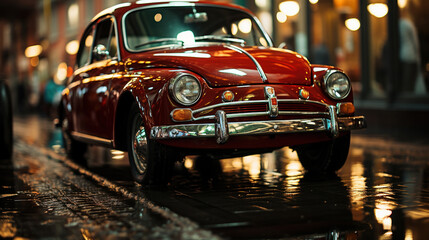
<point>75,150</point>
<point>6,131</point>
<point>324,157</point>
<point>151,162</point>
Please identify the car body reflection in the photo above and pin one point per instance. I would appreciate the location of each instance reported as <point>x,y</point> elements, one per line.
<point>260,196</point>
<point>378,194</point>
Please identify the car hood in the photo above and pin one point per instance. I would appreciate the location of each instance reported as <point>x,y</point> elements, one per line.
<point>223,65</point>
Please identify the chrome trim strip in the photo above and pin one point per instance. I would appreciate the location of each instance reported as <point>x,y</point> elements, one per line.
<point>259,114</point>
<point>237,103</point>
<point>258,66</point>
<point>256,128</point>
<point>92,139</point>
<point>234,115</point>
<point>302,101</point>
<point>290,113</point>
<point>256,114</point>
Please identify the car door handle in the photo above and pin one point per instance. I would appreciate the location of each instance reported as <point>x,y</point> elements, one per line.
<point>84,75</point>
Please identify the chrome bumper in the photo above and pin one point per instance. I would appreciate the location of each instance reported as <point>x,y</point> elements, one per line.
<point>222,129</point>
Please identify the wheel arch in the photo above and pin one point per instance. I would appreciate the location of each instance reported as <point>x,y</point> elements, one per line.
<point>125,103</point>
<point>121,117</point>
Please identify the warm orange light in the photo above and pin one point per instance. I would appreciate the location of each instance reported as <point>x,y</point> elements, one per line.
<point>353,24</point>
<point>61,75</point>
<point>304,94</point>
<point>378,10</point>
<point>33,51</point>
<point>290,8</point>
<point>69,71</point>
<point>182,114</point>
<point>346,109</point>
<point>281,17</point>
<point>34,61</point>
<point>228,96</point>
<point>72,47</point>
<point>158,17</point>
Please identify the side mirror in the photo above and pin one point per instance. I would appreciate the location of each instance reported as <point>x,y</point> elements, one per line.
<point>100,52</point>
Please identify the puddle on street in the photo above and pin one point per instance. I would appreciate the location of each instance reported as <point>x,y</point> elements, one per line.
<point>382,192</point>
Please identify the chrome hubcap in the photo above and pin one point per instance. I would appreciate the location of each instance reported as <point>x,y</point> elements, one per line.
<point>140,150</point>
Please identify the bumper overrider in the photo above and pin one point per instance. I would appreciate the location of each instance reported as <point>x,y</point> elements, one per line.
<point>221,129</point>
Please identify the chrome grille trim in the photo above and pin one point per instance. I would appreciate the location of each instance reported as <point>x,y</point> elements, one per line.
<point>237,103</point>
<point>258,114</point>
<point>301,101</point>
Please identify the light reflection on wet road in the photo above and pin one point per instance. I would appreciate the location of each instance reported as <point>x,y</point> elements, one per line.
<point>381,193</point>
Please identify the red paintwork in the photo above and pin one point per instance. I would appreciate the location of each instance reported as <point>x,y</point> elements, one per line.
<point>280,66</point>
<point>92,101</point>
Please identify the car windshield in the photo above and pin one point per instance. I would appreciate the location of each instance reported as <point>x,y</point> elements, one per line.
<point>182,25</point>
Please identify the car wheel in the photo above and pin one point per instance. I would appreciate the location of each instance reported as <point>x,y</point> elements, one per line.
<point>75,150</point>
<point>324,157</point>
<point>6,138</point>
<point>151,162</point>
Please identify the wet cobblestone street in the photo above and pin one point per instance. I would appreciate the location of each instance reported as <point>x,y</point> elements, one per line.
<point>381,193</point>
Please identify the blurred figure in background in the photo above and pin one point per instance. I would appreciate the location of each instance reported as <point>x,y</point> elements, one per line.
<point>412,78</point>
<point>52,96</point>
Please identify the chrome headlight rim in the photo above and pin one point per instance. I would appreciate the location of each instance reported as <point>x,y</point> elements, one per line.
<point>327,78</point>
<point>173,83</point>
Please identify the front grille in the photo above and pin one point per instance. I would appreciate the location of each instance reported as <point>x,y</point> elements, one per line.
<point>260,108</point>
<point>245,108</point>
<point>301,107</point>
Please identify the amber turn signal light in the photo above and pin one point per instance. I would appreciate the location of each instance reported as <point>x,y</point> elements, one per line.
<point>228,96</point>
<point>346,108</point>
<point>181,115</point>
<point>304,94</point>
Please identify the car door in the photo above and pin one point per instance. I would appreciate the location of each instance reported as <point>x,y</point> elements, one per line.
<point>93,112</point>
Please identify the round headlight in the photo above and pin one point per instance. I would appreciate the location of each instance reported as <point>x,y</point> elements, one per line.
<point>337,84</point>
<point>185,89</point>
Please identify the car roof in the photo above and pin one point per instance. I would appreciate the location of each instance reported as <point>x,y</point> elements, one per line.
<point>125,7</point>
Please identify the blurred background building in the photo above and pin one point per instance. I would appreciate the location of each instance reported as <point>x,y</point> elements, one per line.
<point>379,43</point>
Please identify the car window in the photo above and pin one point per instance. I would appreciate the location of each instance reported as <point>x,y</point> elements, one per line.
<point>83,56</point>
<point>105,35</point>
<point>157,26</point>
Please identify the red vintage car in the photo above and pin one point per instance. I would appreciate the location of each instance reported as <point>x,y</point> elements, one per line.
<point>162,80</point>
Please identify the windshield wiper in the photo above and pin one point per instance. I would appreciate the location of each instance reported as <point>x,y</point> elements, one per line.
<point>221,39</point>
<point>161,40</point>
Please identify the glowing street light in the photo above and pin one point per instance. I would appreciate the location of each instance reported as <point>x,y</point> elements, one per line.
<point>281,17</point>
<point>245,25</point>
<point>72,47</point>
<point>378,10</point>
<point>261,3</point>
<point>290,8</point>
<point>61,74</point>
<point>402,3</point>
<point>33,51</point>
<point>353,24</point>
